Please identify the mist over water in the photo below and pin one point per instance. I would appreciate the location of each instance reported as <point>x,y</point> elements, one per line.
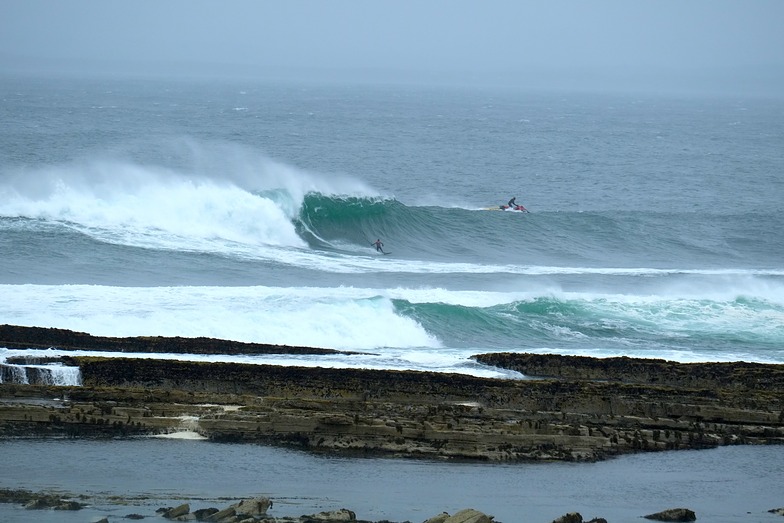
<point>189,168</point>
<point>247,212</point>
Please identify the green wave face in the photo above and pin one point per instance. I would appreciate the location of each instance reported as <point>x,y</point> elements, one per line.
<point>616,324</point>
<point>564,238</point>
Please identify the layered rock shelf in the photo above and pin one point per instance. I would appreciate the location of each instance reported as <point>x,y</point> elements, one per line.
<point>17,337</point>
<point>568,408</point>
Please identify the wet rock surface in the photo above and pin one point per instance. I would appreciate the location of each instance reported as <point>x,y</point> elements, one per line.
<point>39,501</point>
<point>18,337</point>
<point>253,510</point>
<point>582,409</point>
<point>731,376</point>
<point>673,514</point>
<point>570,408</point>
<point>259,510</point>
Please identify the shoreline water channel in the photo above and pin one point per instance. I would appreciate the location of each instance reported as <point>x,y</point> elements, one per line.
<point>723,485</point>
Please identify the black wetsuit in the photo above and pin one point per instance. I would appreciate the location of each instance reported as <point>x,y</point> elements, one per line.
<point>512,203</point>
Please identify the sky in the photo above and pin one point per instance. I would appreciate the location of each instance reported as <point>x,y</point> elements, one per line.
<point>731,44</point>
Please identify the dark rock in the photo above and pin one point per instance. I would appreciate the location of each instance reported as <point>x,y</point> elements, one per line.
<point>177,511</point>
<point>464,516</point>
<point>469,515</point>
<point>732,375</point>
<point>37,504</point>
<point>571,517</point>
<point>18,337</point>
<point>253,507</point>
<point>33,501</point>
<point>336,516</point>
<point>222,514</point>
<point>589,409</point>
<point>204,513</point>
<point>16,496</point>
<point>69,505</point>
<point>673,514</point>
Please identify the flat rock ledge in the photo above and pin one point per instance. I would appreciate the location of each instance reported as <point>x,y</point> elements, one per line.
<point>673,514</point>
<point>570,408</point>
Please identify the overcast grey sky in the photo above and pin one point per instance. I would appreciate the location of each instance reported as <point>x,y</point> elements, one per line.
<point>484,40</point>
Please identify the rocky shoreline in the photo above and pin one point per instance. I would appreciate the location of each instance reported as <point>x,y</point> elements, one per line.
<point>565,409</point>
<point>255,510</point>
<point>577,408</point>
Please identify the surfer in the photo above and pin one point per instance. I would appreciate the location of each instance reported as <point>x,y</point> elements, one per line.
<point>378,245</point>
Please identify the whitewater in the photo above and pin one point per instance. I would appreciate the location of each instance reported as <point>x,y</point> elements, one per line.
<point>247,212</point>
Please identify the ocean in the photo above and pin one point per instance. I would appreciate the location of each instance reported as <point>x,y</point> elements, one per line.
<point>246,211</point>
<point>724,485</point>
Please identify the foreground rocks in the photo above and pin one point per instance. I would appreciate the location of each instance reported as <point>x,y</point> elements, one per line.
<point>673,514</point>
<point>38,501</point>
<point>256,510</point>
<point>580,409</point>
<point>246,510</point>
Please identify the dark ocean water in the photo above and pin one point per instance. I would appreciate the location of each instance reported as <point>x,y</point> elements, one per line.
<point>246,212</point>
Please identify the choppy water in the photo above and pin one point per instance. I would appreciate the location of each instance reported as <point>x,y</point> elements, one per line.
<point>246,212</point>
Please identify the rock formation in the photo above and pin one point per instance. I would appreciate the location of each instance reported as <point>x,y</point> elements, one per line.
<point>576,408</point>
<point>673,514</point>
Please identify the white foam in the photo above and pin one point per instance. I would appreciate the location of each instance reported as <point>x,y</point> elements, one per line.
<point>422,359</point>
<point>229,198</point>
<point>340,318</point>
<point>357,318</point>
<point>183,434</point>
<point>234,202</point>
<point>55,374</point>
